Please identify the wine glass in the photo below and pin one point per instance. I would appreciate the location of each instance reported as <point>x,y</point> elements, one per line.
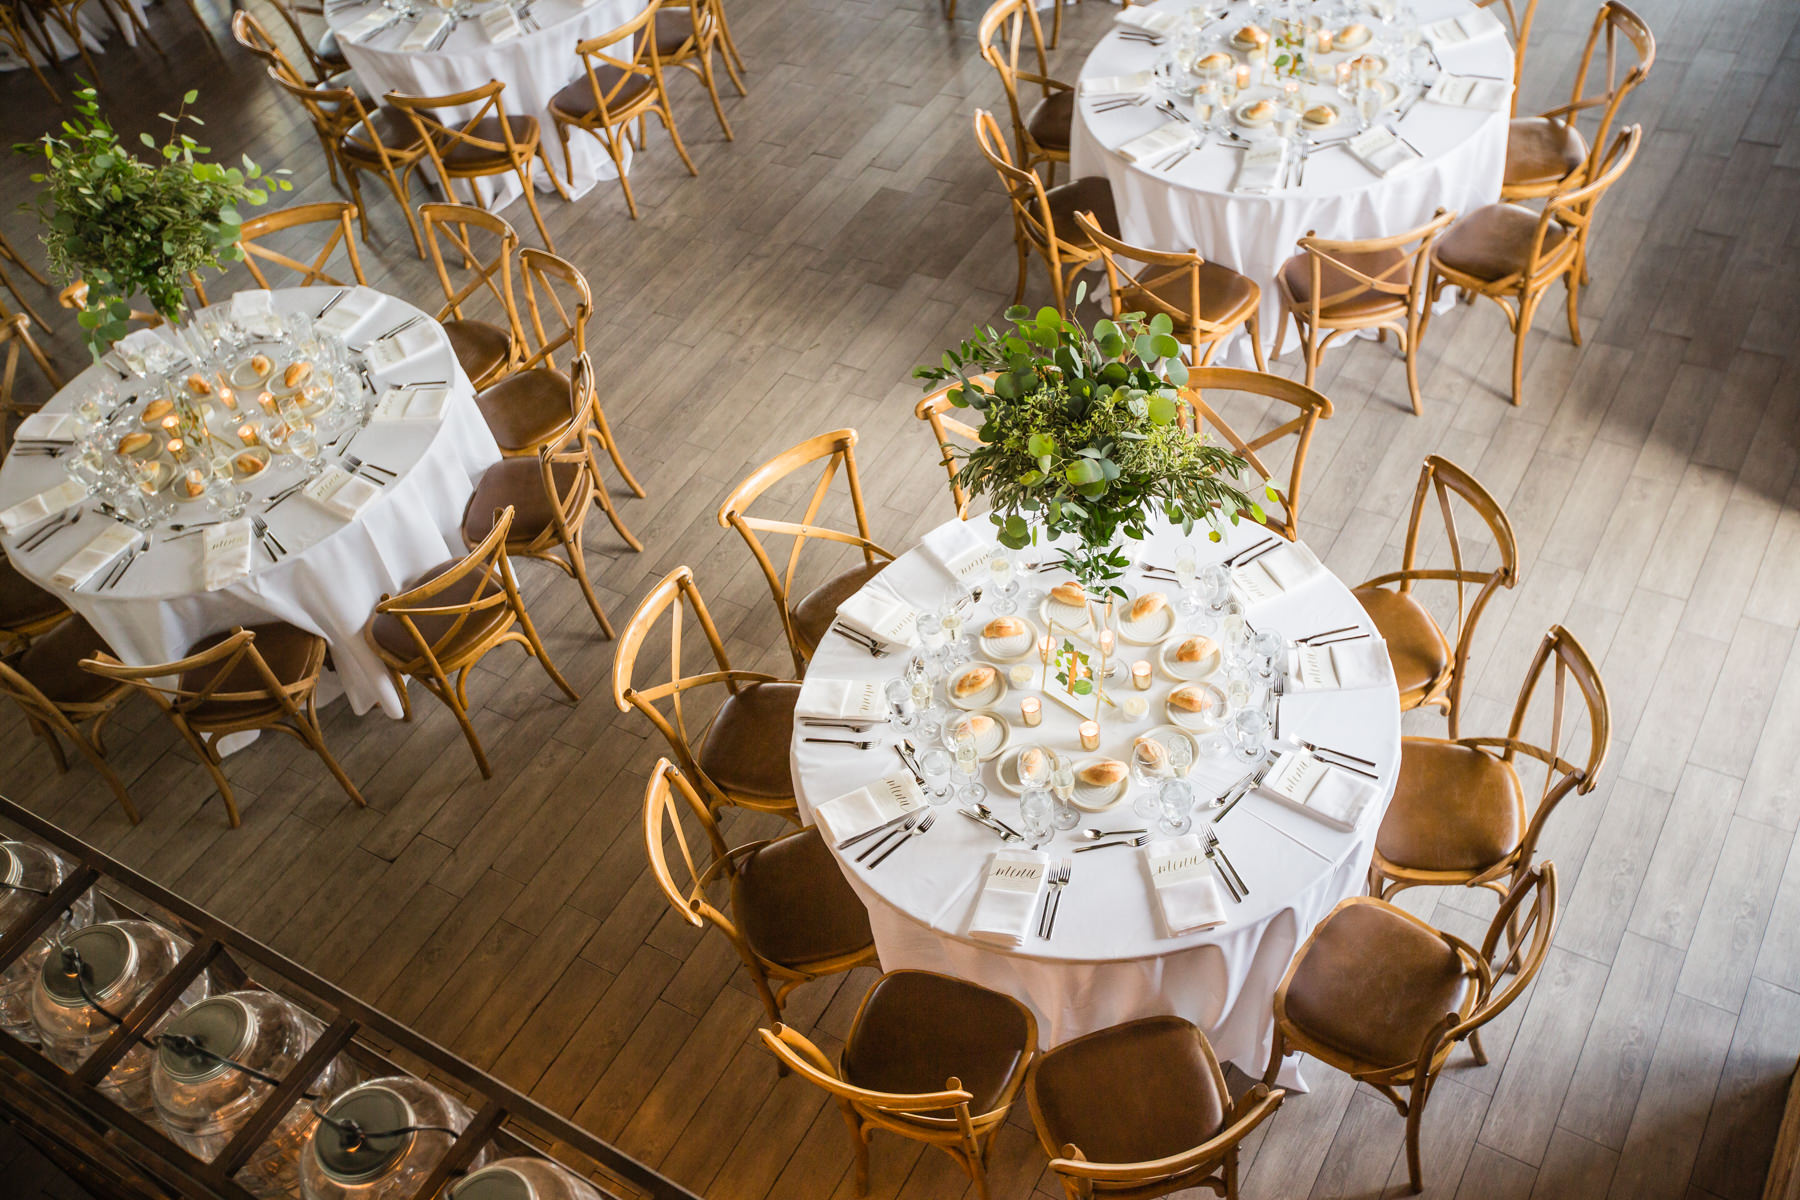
<point>921,678</point>
<point>1215,587</point>
<point>931,633</point>
<point>901,709</point>
<point>1187,576</point>
<point>1037,813</point>
<point>1062,787</point>
<point>303,443</point>
<point>1006,584</point>
<point>1149,767</point>
<point>951,620</point>
<point>1269,648</point>
<point>1252,728</point>
<point>935,765</point>
<point>1176,799</point>
<point>968,763</point>
<point>1231,626</point>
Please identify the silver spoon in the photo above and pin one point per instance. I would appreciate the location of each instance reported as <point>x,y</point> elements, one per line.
<point>1094,835</point>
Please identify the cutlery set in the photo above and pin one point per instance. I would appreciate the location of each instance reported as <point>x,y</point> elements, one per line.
<point>840,742</point>
<point>1113,104</point>
<point>895,837</point>
<point>1058,879</point>
<point>1139,840</point>
<point>268,541</point>
<point>875,648</point>
<point>1005,832</point>
<point>50,528</point>
<point>1340,760</point>
<point>370,471</point>
<point>28,448</point>
<point>123,565</point>
<point>1234,883</point>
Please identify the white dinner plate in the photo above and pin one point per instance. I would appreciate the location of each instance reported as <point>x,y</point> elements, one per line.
<point>990,744</point>
<point>1199,722</point>
<point>1189,672</point>
<point>987,697</point>
<point>1090,798</point>
<point>1149,631</point>
<point>1011,649</point>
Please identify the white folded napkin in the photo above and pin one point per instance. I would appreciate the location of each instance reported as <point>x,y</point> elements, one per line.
<point>364,25</point>
<point>1280,570</point>
<point>1158,22</point>
<point>254,313</point>
<point>1187,895</point>
<point>145,353</point>
<point>1489,95</point>
<point>411,404</point>
<point>1134,84</point>
<point>225,557</point>
<point>840,699</point>
<point>46,427</point>
<point>1307,782</point>
<point>47,503</point>
<point>1009,896</point>
<point>1381,151</point>
<point>389,352</point>
<point>1342,668</point>
<point>1458,31</point>
<point>86,562</point>
<point>427,28</point>
<point>866,807</point>
<point>959,549</point>
<point>501,24</point>
<point>878,612</point>
<point>1160,142</point>
<point>347,313</point>
<point>337,491</point>
<point>1262,168</point>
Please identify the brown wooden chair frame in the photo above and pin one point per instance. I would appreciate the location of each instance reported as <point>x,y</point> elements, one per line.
<point>324,69</point>
<point>595,431</point>
<point>1001,36</point>
<point>13,33</point>
<point>79,722</point>
<point>452,223</point>
<point>707,22</point>
<point>1519,15</point>
<point>837,450</point>
<point>1312,407</point>
<point>935,409</point>
<point>16,636</point>
<point>324,212</point>
<point>8,254</point>
<point>1034,228</point>
<point>15,332</point>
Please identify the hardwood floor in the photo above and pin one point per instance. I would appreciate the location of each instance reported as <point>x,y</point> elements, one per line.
<point>852,231</point>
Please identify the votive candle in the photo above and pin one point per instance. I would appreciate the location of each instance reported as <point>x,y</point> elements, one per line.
<point>1140,674</point>
<point>1031,710</point>
<point>1090,735</point>
<point>1134,707</point>
<point>177,448</point>
<point>1108,640</point>
<point>1323,41</point>
<point>1044,648</point>
<point>1243,76</point>
<point>247,434</point>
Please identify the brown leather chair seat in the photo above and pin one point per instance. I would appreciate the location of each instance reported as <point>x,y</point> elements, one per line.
<point>916,1030</point>
<point>329,52</point>
<point>576,100</point>
<point>52,664</point>
<point>818,608</point>
<point>1049,120</point>
<point>1494,242</point>
<point>1296,273</point>
<point>674,26</point>
<point>1223,292</point>
<point>390,632</point>
<point>463,156</point>
<point>526,408</point>
<point>1417,647</point>
<point>23,602</point>
<point>1092,193</point>
<point>481,348</point>
<point>1541,151</point>
<point>1373,983</point>
<point>795,907</point>
<point>520,483</point>
<point>1455,808</point>
<point>292,654</point>
<point>746,749</point>
<point>1135,1092</point>
<point>395,129</point>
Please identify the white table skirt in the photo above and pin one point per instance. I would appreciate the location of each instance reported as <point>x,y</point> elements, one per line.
<point>1192,206</point>
<point>534,67</point>
<point>335,571</point>
<point>1108,960</point>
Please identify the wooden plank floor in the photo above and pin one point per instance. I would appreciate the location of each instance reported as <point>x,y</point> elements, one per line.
<point>850,232</point>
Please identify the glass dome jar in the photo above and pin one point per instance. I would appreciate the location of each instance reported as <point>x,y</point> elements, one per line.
<point>352,1156</point>
<point>120,961</point>
<point>520,1179</point>
<point>28,872</point>
<point>202,1102</point>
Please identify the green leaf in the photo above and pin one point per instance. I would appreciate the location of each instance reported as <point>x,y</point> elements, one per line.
<point>1083,471</point>
<point>1041,445</point>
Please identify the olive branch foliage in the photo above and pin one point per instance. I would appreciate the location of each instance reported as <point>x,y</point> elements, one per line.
<point>1081,435</point>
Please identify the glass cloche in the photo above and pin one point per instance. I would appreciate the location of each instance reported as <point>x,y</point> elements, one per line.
<point>202,1102</point>
<point>120,961</point>
<point>28,872</point>
<point>355,1152</point>
<point>520,1179</point>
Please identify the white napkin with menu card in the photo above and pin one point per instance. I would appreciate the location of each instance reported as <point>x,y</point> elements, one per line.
<point>1277,571</point>
<point>388,352</point>
<point>1134,84</point>
<point>1157,22</point>
<point>424,33</point>
<point>225,554</point>
<point>254,313</point>
<point>365,25</point>
<point>1187,894</point>
<point>1009,896</point>
<point>1344,667</point>
<point>46,427</point>
<point>1306,782</point>
<point>866,807</point>
<point>878,612</point>
<point>1460,31</point>
<point>1487,95</point>
<point>48,503</point>
<point>411,404</point>
<point>86,562</point>
<point>841,699</point>
<point>501,24</point>
<point>1262,167</point>
<point>347,313</point>
<point>337,491</point>
<point>1161,142</point>
<point>959,549</point>
<point>1380,150</point>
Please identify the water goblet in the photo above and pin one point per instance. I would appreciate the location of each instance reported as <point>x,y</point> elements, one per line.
<point>1270,648</point>
<point>303,444</point>
<point>931,633</point>
<point>1187,578</point>
<point>951,620</point>
<point>1368,104</point>
<point>968,763</point>
<point>1252,728</point>
<point>935,765</point>
<point>1215,587</point>
<point>1175,798</point>
<point>1037,814</point>
<point>902,712</point>
<point>1149,767</point>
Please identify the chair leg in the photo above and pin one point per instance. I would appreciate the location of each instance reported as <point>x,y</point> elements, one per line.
<point>455,698</point>
<point>603,431</point>
<point>712,89</point>
<point>1415,1115</point>
<point>543,655</point>
<point>578,568</point>
<point>1255,324</point>
<point>1412,367</point>
<point>1277,1052</point>
<point>731,50</point>
<point>1574,301</point>
<point>49,738</point>
<point>1527,309</point>
<point>210,761</point>
<point>543,153</point>
<point>1024,262</point>
<point>668,120</point>
<point>862,1152</point>
<point>523,171</point>
<point>1056,25</point>
<point>315,737</point>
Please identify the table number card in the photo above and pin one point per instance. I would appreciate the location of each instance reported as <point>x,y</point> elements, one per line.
<point>1071,675</point>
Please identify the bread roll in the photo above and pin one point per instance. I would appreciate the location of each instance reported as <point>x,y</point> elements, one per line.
<point>1216,61</point>
<point>1261,110</point>
<point>1068,593</point>
<point>979,725</point>
<point>1147,606</point>
<point>262,364</point>
<point>1157,753</point>
<point>973,682</point>
<point>1195,649</point>
<point>199,385</point>
<point>1105,773</point>
<point>156,410</point>
<point>1353,34</point>
<point>132,443</point>
<point>1251,35</point>
<point>296,374</point>
<point>1319,115</point>
<point>1001,628</point>
<point>1031,760</point>
<point>248,464</point>
<point>1192,699</point>
<point>193,486</point>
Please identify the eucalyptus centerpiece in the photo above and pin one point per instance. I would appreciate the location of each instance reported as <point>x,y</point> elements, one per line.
<point>1081,435</point>
<point>129,227</point>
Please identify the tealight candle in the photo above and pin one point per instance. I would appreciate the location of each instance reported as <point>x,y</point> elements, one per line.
<point>1044,648</point>
<point>247,434</point>
<point>1031,710</point>
<point>171,422</point>
<point>177,448</point>
<point>1090,735</point>
<point>1108,640</point>
<point>266,400</point>
<point>1020,675</point>
<point>1343,76</point>
<point>1243,76</point>
<point>1323,41</point>
<point>1134,707</point>
<point>228,398</point>
<point>1140,674</point>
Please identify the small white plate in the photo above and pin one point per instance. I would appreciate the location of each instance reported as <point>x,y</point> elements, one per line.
<point>994,741</point>
<point>985,698</point>
<point>1089,798</point>
<point>1307,123</point>
<point>1168,735</point>
<point>1006,770</point>
<point>1189,672</point>
<point>1199,722</point>
<point>1149,631</point>
<point>1241,114</point>
<point>1355,42</point>
<point>246,376</point>
<point>1078,618</point>
<point>1011,649</point>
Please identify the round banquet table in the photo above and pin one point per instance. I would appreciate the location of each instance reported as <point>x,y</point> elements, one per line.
<point>334,572</point>
<point>1108,959</point>
<point>534,66</point>
<point>1192,206</point>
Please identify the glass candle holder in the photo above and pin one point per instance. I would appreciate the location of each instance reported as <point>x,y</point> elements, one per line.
<point>520,1179</point>
<point>1031,710</point>
<point>1140,674</point>
<point>1090,735</point>
<point>352,1155</point>
<point>28,871</point>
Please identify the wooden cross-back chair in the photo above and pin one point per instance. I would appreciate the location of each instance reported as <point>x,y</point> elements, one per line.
<point>26,610</point>
<point>40,17</point>
<point>687,32</point>
<point>953,436</point>
<point>60,700</point>
<point>324,57</point>
<point>1513,255</point>
<point>535,403</point>
<point>1206,301</point>
<point>1044,220</point>
<point>1519,15</point>
<point>789,912</point>
<point>740,756</point>
<point>963,1053</point>
<point>1336,286</point>
<point>360,137</point>
<point>484,244</point>
<point>805,620</point>
<point>15,335</point>
<point>8,254</point>
<point>448,619</point>
<point>1429,666</point>
<point>1041,125</point>
<point>486,142</point>
<point>615,89</point>
<point>1549,153</point>
<point>260,677</point>
<point>14,35</point>
<point>1435,990</point>
<point>1308,409</point>
<point>1461,816</point>
<point>559,302</point>
<point>335,216</point>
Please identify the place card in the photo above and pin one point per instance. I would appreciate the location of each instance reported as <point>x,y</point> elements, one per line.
<point>1261,168</point>
<point>337,491</point>
<point>1487,95</point>
<point>1342,667</point>
<point>1181,877</point>
<point>389,352</point>
<point>501,24</point>
<point>411,404</point>
<point>1160,142</point>
<point>843,699</point>
<point>225,555</point>
<point>959,550</point>
<point>1009,896</point>
<point>1277,572</point>
<point>347,313</point>
<point>1306,782</point>
<point>877,611</point>
<point>1459,31</point>
<point>424,32</point>
<point>1381,150</point>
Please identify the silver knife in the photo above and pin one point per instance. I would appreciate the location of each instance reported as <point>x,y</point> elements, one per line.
<point>869,833</point>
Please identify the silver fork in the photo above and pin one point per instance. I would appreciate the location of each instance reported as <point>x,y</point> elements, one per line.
<point>841,742</point>
<point>1139,840</point>
<point>919,830</point>
<point>1233,880</point>
<point>1059,879</point>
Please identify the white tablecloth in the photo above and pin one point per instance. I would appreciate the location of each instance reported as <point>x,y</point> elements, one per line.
<point>534,67</point>
<point>334,572</point>
<point>1192,206</point>
<point>1108,960</point>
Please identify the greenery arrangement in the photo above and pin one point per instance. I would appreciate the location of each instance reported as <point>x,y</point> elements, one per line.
<point>130,227</point>
<point>1081,436</point>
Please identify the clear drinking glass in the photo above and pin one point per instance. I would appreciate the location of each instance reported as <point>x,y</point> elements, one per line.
<point>951,620</point>
<point>1176,798</point>
<point>1149,767</point>
<point>1215,587</point>
<point>901,710</point>
<point>1006,584</point>
<point>1252,728</point>
<point>1270,649</point>
<point>303,444</point>
<point>921,677</point>
<point>968,765</point>
<point>1037,813</point>
<point>1187,576</point>
<point>931,633</point>
<point>936,765</point>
